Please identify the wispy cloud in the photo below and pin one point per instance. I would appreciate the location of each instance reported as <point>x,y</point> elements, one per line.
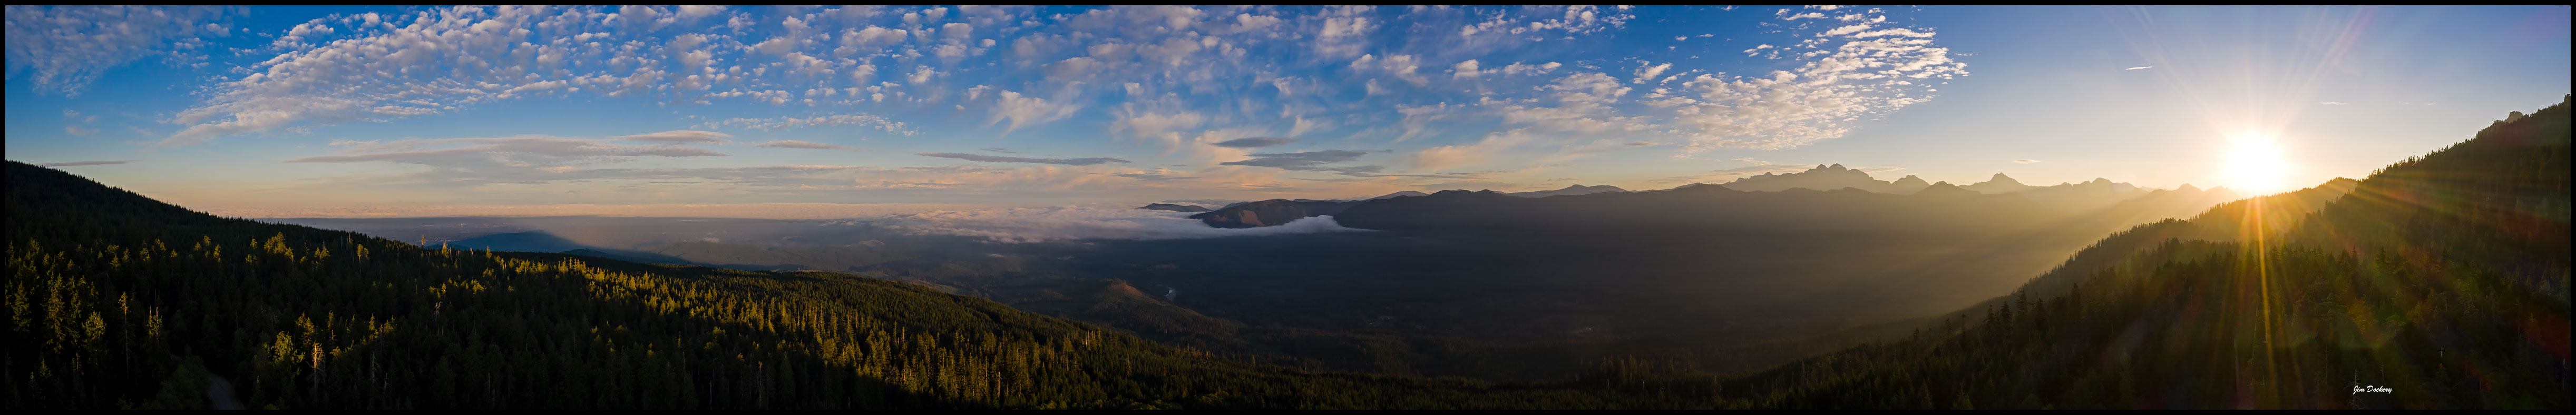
<point>85,163</point>
<point>1310,161</point>
<point>1150,176</point>
<point>804,144</point>
<point>1006,159</point>
<point>2137,68</point>
<point>1254,142</point>
<point>518,151</point>
<point>999,150</point>
<point>784,123</point>
<point>680,137</point>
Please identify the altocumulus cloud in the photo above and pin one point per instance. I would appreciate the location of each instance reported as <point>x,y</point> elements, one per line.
<point>1086,161</point>
<point>1071,223</point>
<point>1832,70</point>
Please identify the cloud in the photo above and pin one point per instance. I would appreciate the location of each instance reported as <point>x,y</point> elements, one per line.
<point>1005,159</point>
<point>1483,151</point>
<point>1029,225</point>
<point>1205,68</point>
<point>495,153</point>
<point>782,123</point>
<point>1254,142</point>
<point>1024,110</point>
<point>2137,68</point>
<point>67,47</point>
<point>85,163</point>
<point>2025,161</point>
<point>1310,161</point>
<point>1649,72</point>
<point>803,144</point>
<point>680,137</point>
<point>76,130</point>
<point>999,150</point>
<point>1150,176</point>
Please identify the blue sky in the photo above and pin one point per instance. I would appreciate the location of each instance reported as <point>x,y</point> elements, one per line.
<point>287,111</point>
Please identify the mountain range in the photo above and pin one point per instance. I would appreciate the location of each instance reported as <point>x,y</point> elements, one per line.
<point>2437,282</point>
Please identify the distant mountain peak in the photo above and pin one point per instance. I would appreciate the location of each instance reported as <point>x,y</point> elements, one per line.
<point>1825,178</point>
<point>1944,189</point>
<point>2000,183</point>
<point>1174,208</point>
<point>1571,190</point>
<point>1400,194</point>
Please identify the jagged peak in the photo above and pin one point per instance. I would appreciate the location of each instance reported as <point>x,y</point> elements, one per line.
<point>2187,187</point>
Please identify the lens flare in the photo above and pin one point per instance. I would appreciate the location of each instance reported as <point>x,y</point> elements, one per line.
<point>2254,163</point>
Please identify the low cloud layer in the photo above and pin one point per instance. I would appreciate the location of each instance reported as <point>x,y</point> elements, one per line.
<point>1007,159</point>
<point>1070,223</point>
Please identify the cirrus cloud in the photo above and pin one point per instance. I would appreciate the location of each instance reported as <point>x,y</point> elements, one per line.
<point>1007,159</point>
<point>1254,142</point>
<point>804,144</point>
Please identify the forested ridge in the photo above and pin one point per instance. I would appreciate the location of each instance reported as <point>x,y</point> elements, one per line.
<point>2442,279</point>
<point>120,301</point>
<point>2439,282</point>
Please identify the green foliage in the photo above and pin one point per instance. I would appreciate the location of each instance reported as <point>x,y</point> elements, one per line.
<point>2442,279</point>
<point>106,312</point>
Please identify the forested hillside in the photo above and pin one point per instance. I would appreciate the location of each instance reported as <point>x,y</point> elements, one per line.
<point>116,300</point>
<point>2439,282</point>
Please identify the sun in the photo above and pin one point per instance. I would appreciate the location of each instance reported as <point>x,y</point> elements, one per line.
<point>2254,163</point>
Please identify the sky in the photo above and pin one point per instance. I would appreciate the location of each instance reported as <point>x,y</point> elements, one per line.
<point>849,111</point>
